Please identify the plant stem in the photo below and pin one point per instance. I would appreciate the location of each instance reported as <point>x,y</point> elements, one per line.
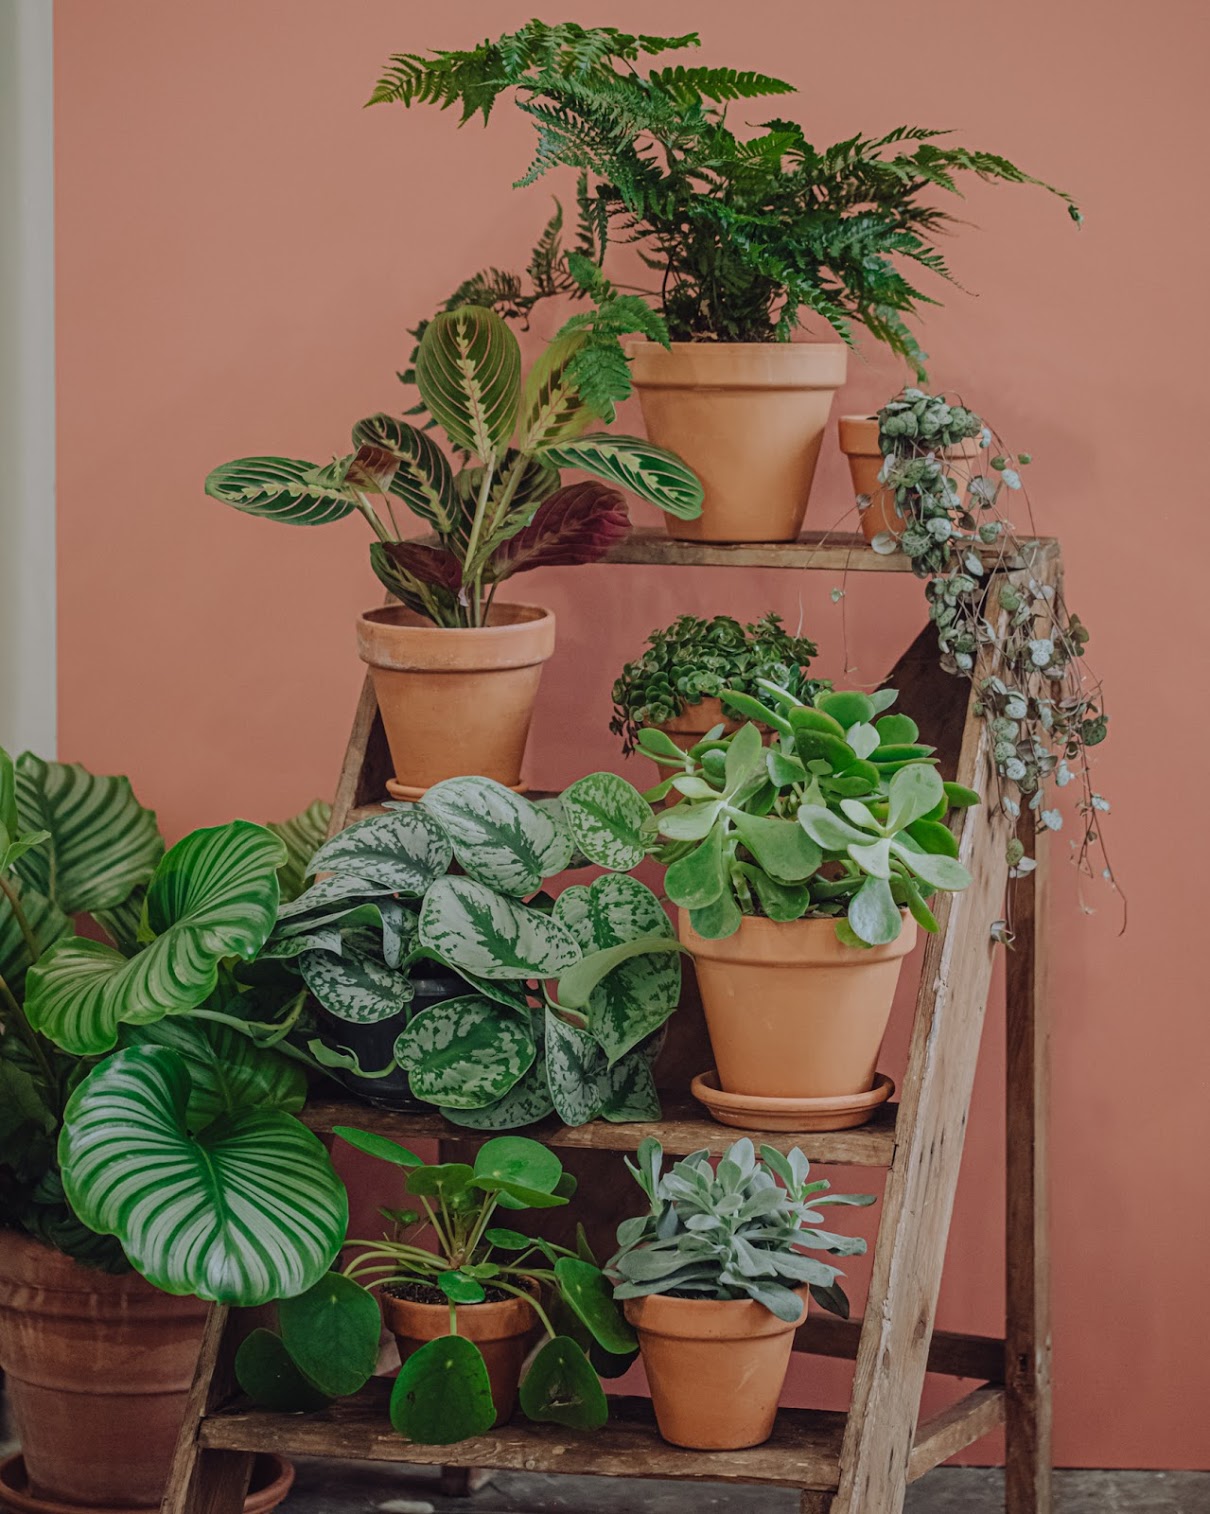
<point>376,525</point>
<point>14,903</point>
<point>14,1020</point>
<point>525,1293</point>
<point>472,542</point>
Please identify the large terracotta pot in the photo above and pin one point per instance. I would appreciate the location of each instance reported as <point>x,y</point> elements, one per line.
<point>792,1012</point>
<point>715,1368</point>
<point>859,443</point>
<point>749,419</point>
<point>500,1330</point>
<point>456,701</point>
<point>97,1369</point>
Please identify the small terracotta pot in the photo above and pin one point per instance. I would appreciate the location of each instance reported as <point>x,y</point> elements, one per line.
<point>97,1369</point>
<point>456,701</point>
<point>792,1012</point>
<point>749,419</point>
<point>501,1331</point>
<point>715,1368</point>
<point>859,443</point>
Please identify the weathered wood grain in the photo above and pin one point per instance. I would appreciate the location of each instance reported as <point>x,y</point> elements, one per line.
<point>955,1427</point>
<point>202,1481</point>
<point>952,1353</point>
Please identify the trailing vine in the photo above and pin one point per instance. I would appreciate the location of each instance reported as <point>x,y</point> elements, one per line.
<point>1044,708</point>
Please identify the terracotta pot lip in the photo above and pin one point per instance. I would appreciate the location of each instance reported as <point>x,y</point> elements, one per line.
<point>391,618</point>
<point>806,941</point>
<point>14,1490</point>
<point>706,1089</point>
<point>397,640</point>
<point>29,1263</point>
<point>739,365</point>
<point>858,436</point>
<point>739,1318</point>
<point>707,345</point>
<point>693,717</point>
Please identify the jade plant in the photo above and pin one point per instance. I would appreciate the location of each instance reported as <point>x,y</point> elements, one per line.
<point>743,233</point>
<point>695,659</point>
<point>738,1229</point>
<point>142,1098</point>
<point>504,509</point>
<point>452,1251</point>
<point>564,1000</point>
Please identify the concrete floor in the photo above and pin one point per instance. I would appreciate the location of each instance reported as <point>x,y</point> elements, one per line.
<point>364,1488</point>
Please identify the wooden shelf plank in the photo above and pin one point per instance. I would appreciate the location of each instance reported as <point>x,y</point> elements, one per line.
<point>683,1129</point>
<point>952,1353</point>
<point>954,1428</point>
<point>803,1452</point>
<point>837,551</point>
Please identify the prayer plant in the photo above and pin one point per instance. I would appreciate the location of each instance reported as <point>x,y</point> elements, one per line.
<point>504,510</point>
<point>328,1341</point>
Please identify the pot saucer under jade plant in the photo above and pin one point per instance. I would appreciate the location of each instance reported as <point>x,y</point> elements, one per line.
<point>272,1479</point>
<point>797,1116</point>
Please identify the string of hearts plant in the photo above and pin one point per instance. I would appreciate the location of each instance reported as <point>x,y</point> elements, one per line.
<point>505,509</point>
<point>1044,708</point>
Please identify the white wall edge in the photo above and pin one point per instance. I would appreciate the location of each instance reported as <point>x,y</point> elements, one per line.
<point>28,681</point>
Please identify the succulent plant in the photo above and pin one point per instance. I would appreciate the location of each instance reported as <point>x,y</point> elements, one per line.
<point>739,1230</point>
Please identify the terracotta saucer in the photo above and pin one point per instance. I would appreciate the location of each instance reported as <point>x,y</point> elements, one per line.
<point>272,1478</point>
<point>750,1112</point>
<point>406,791</point>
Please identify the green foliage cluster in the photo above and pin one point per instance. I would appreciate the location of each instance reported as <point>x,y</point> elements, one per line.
<point>1012,634</point>
<point>328,1341</point>
<point>741,1229</point>
<point>695,659</point>
<point>744,233</point>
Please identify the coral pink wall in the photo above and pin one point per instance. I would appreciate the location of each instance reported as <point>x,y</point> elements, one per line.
<point>241,250</point>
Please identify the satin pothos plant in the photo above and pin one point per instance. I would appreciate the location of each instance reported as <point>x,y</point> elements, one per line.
<point>143,1097</point>
<point>494,502</point>
<point>564,998</point>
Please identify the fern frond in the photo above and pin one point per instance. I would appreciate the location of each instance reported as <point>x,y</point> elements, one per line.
<point>689,85</point>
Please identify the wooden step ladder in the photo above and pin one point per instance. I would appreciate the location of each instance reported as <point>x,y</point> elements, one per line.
<point>854,1463</point>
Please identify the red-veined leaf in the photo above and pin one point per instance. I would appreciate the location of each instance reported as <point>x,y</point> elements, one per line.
<point>577,524</point>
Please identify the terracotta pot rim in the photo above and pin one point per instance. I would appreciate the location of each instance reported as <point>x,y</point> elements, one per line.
<point>736,1319</point>
<point>739,365</point>
<point>495,1320</point>
<point>748,1109</point>
<point>806,942</point>
<point>396,639</point>
<point>858,437</point>
<point>14,1492</point>
<point>398,618</point>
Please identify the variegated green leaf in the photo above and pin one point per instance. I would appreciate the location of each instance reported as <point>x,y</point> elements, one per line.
<point>323,938</point>
<point>630,1091</point>
<point>247,1211</point>
<point>354,986</point>
<point>330,899</point>
<point>610,821</point>
<point>575,1071</point>
<point>499,837</point>
<point>423,479</point>
<point>121,923</point>
<point>637,996</point>
<point>102,842</point>
<point>551,408</point>
<point>286,489</point>
<point>657,476</point>
<point>526,1102</point>
<point>465,1052</point>
<point>468,371</point>
<point>213,895</point>
<point>473,928</point>
<point>47,924</point>
<point>302,836</point>
<point>403,850</point>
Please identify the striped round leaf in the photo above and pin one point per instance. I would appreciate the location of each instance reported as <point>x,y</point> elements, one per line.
<point>473,928</point>
<point>551,408</point>
<point>657,476</point>
<point>575,1071</point>
<point>465,1052</point>
<point>47,924</point>
<point>468,371</point>
<point>354,986</point>
<point>302,836</point>
<point>102,842</point>
<point>423,479</point>
<point>403,850</point>
<point>214,895</point>
<point>610,821</point>
<point>227,1071</point>
<point>499,837</point>
<point>287,489</point>
<point>246,1211</point>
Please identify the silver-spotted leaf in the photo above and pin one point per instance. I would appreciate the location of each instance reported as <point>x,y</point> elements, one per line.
<point>575,1070</point>
<point>499,837</point>
<point>355,986</point>
<point>465,1052</point>
<point>403,850</point>
<point>610,822</point>
<point>474,928</point>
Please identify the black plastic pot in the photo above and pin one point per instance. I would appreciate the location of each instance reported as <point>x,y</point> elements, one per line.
<point>374,1045</point>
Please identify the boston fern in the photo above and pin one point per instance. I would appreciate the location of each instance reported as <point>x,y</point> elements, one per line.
<point>744,233</point>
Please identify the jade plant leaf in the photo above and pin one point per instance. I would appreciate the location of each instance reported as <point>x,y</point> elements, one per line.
<point>471,926</point>
<point>331,1331</point>
<point>609,821</point>
<point>575,1067</point>
<point>468,371</point>
<point>442,1394</point>
<point>404,851</point>
<point>354,986</point>
<point>499,837</point>
<point>101,842</point>
<point>423,478</point>
<point>561,1388</point>
<point>285,489</point>
<point>465,1052</point>
<point>213,895</point>
<point>246,1211</point>
<point>266,1372</point>
<point>912,793</point>
<point>873,916</point>
<point>657,476</point>
<point>781,847</point>
<point>699,878</point>
<point>227,1071</point>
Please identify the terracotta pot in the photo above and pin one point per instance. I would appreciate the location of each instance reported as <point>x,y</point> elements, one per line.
<point>715,1368</point>
<point>456,701</point>
<point>272,1479</point>
<point>859,443</point>
<point>97,1369</point>
<point>501,1331</point>
<point>749,419</point>
<point>792,1012</point>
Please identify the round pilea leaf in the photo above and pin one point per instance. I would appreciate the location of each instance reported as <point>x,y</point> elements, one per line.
<point>331,1331</point>
<point>586,1290</point>
<point>561,1388</point>
<point>269,1376</point>
<point>520,1161</point>
<point>442,1393</point>
<point>376,1145</point>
